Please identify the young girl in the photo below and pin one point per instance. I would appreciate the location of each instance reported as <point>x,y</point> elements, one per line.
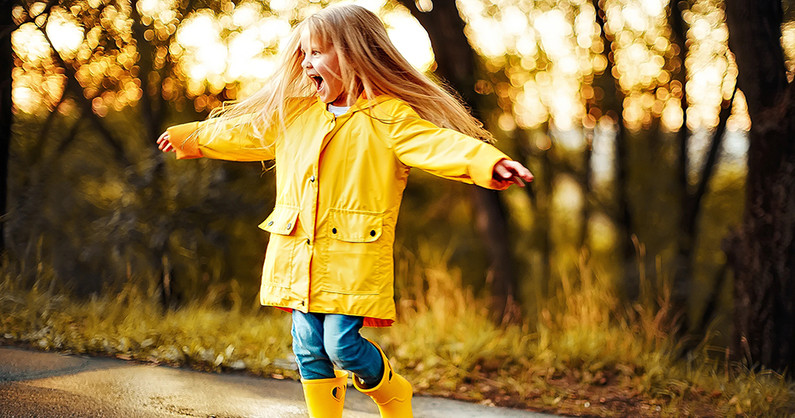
<point>345,119</point>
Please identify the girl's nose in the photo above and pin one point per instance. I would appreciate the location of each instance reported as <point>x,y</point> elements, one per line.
<point>305,63</point>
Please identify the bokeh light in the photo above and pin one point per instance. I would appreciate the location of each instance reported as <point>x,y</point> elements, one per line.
<point>229,51</point>
<point>545,51</point>
<point>542,57</point>
<point>559,52</point>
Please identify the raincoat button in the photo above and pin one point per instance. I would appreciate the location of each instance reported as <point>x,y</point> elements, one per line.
<point>270,223</point>
<point>307,241</point>
<point>312,179</point>
<point>333,230</point>
<point>372,232</point>
<point>288,226</point>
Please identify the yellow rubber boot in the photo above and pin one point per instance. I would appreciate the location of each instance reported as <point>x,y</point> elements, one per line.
<point>392,394</point>
<point>325,397</point>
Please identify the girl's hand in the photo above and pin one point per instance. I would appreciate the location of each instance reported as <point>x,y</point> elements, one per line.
<point>511,172</point>
<point>164,143</point>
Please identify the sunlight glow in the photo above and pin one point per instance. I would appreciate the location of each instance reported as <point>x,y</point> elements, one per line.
<point>282,5</point>
<point>541,57</point>
<point>410,39</point>
<point>162,10</point>
<point>567,196</point>
<point>64,32</point>
<point>247,54</point>
<point>563,41</point>
<point>246,14</point>
<point>709,79</point>
<point>29,44</point>
<point>555,54</point>
<point>213,59</point>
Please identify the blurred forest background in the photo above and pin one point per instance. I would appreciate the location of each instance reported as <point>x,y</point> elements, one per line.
<point>627,111</point>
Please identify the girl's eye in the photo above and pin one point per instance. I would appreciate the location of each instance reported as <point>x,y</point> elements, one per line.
<point>315,53</point>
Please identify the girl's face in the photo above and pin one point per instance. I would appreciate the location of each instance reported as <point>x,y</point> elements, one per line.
<point>321,65</point>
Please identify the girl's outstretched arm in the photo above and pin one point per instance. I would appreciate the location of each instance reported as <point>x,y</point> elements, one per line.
<point>233,140</point>
<point>450,154</point>
<point>511,172</point>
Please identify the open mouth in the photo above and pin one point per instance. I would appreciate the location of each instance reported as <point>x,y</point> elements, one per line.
<point>318,81</point>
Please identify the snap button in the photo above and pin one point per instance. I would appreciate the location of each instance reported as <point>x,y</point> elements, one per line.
<point>288,225</point>
<point>312,179</point>
<point>372,232</point>
<point>333,230</point>
<point>307,241</point>
<point>270,223</point>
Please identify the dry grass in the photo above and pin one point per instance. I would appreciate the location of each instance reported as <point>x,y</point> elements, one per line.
<point>131,325</point>
<point>583,353</point>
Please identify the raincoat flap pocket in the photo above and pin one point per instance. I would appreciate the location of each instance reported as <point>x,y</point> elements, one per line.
<point>355,226</point>
<point>281,221</point>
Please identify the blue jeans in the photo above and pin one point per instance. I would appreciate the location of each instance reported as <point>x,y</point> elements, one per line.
<point>321,341</point>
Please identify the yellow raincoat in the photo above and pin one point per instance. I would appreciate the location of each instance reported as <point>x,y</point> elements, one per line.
<point>339,183</point>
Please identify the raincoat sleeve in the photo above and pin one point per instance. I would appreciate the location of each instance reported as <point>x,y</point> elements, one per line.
<point>443,152</point>
<point>233,141</point>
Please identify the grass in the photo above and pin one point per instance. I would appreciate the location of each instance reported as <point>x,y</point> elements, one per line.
<point>582,353</point>
<point>131,325</point>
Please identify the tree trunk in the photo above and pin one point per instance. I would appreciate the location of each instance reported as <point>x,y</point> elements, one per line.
<point>152,111</point>
<point>622,215</point>
<point>539,206</point>
<point>456,63</point>
<point>587,192</point>
<point>6,106</point>
<point>683,262</point>
<point>761,251</point>
<point>543,211</point>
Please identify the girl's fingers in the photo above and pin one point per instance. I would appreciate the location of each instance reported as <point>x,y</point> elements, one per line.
<point>502,170</point>
<point>510,172</point>
<point>164,143</point>
<point>513,172</point>
<point>525,174</point>
<point>521,171</point>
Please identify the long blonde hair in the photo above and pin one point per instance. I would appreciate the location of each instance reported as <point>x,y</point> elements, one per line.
<point>369,64</point>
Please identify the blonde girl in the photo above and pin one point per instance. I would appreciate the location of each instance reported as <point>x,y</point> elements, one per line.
<point>344,118</point>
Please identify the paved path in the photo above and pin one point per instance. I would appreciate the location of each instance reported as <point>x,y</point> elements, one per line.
<point>42,384</point>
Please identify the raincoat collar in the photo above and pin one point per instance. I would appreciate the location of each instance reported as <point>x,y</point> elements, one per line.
<point>361,103</point>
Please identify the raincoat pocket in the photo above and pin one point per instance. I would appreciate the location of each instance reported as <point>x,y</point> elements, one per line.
<point>356,259</point>
<point>282,247</point>
<point>355,226</point>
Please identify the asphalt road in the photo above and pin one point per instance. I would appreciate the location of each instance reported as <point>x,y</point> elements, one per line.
<point>43,384</point>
